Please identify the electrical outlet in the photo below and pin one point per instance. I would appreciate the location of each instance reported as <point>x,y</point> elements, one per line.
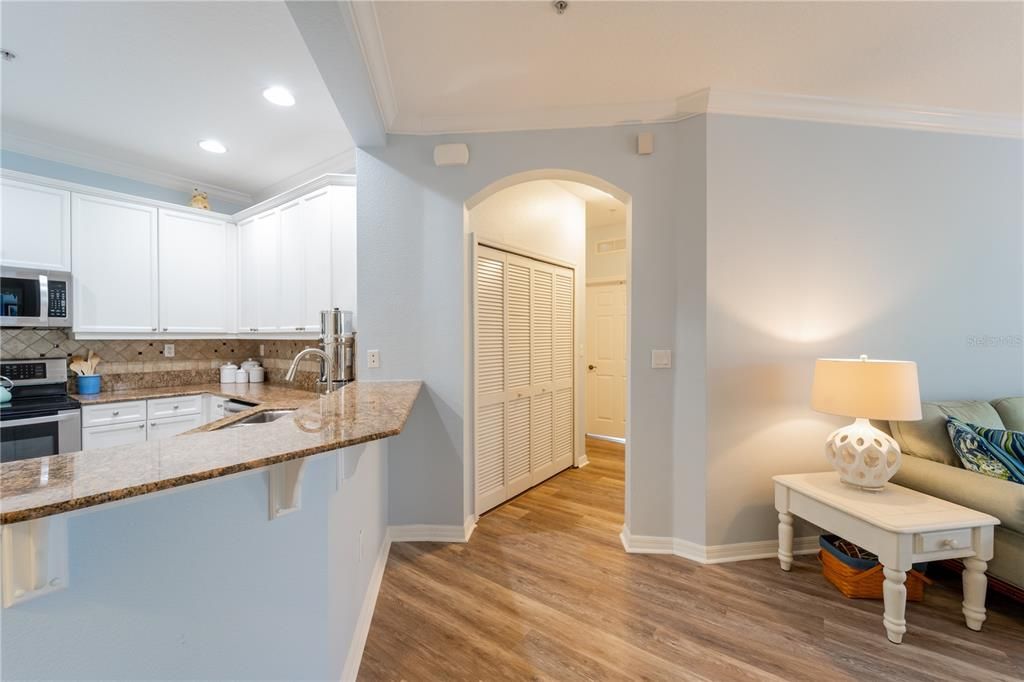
<point>262,350</point>
<point>661,359</point>
<point>168,350</point>
<point>373,358</point>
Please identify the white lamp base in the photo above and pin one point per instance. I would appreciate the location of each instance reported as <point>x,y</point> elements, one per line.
<point>864,456</point>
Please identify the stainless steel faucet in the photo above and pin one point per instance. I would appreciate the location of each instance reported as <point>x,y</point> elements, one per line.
<point>325,363</point>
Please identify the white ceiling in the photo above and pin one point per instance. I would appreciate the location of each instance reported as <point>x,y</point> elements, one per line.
<point>139,83</point>
<point>460,66</point>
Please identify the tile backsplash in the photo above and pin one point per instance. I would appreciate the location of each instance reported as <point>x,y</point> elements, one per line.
<point>142,364</point>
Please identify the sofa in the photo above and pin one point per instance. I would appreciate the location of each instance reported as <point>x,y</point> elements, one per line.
<point>931,466</point>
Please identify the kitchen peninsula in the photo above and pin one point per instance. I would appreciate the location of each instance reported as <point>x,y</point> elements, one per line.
<point>294,510</point>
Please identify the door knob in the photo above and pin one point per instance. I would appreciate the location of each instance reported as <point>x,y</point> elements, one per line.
<point>591,366</point>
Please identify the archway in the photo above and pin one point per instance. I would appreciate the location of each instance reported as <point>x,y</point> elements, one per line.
<point>473,242</point>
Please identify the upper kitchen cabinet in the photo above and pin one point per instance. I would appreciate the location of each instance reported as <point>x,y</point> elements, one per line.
<point>297,260</point>
<point>115,266</point>
<point>35,228</point>
<point>197,273</point>
<point>260,268</point>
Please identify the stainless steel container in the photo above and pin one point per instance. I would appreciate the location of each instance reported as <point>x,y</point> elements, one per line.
<point>337,338</point>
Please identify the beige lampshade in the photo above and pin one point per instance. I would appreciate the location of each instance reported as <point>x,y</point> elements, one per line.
<point>870,389</point>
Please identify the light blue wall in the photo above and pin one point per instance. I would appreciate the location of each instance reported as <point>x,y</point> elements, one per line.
<point>831,241</point>
<point>61,171</point>
<point>412,282</point>
<point>197,583</point>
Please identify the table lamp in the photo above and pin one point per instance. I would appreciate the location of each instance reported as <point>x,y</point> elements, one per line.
<point>865,389</point>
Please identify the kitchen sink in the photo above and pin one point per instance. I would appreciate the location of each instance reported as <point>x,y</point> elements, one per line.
<point>264,417</point>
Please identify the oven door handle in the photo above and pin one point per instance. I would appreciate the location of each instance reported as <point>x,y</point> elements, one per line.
<point>63,417</point>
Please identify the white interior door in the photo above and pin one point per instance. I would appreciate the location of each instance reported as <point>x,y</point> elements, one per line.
<point>523,340</point>
<point>606,360</point>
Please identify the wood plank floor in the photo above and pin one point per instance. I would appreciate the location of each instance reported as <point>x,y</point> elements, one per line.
<point>543,590</point>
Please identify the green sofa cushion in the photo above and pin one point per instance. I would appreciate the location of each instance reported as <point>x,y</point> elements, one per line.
<point>1011,411</point>
<point>928,437</point>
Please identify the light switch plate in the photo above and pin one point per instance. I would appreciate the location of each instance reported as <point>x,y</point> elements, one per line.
<point>168,350</point>
<point>373,358</point>
<point>661,359</point>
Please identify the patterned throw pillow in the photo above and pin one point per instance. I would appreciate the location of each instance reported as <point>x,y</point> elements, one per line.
<point>1011,442</point>
<point>981,455</point>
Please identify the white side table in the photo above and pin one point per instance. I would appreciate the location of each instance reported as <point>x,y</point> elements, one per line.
<point>901,526</point>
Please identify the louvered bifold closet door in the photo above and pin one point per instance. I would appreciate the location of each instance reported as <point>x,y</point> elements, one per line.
<point>489,330</point>
<point>562,362</point>
<point>542,462</point>
<point>518,371</point>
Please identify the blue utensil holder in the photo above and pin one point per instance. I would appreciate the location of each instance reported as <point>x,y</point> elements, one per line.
<point>88,384</point>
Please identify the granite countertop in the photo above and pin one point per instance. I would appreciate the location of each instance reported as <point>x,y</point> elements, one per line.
<point>357,413</point>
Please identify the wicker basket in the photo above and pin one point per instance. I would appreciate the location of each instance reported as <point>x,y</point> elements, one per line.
<point>858,584</point>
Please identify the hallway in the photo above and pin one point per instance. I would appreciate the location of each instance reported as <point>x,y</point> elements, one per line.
<point>544,590</point>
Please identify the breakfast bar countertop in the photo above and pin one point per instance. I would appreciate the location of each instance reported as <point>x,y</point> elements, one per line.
<point>357,413</point>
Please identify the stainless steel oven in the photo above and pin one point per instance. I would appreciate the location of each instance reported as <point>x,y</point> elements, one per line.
<point>41,419</point>
<point>34,298</point>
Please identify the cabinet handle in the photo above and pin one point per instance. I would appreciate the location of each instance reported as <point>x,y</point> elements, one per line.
<point>142,426</point>
<point>300,329</point>
<point>154,328</point>
<point>177,406</point>
<point>153,424</point>
<point>165,328</point>
<point>116,412</point>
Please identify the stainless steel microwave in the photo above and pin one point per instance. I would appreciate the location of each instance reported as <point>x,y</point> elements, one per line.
<point>34,298</point>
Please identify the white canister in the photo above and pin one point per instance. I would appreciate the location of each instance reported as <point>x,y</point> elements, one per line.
<point>249,364</point>
<point>241,376</point>
<point>227,373</point>
<point>256,375</point>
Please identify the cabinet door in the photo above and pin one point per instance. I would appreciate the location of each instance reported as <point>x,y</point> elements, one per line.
<point>294,227</point>
<point>196,270</point>
<point>35,227</point>
<point>343,246</point>
<point>268,271</point>
<point>172,426</point>
<point>115,265</point>
<point>248,274</point>
<point>489,332</point>
<point>115,434</point>
<point>317,214</point>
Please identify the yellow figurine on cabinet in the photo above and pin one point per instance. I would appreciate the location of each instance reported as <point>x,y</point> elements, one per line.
<point>200,200</point>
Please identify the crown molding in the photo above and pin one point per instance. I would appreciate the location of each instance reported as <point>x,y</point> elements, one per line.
<point>371,44</point>
<point>327,180</point>
<point>23,144</point>
<point>343,163</point>
<point>719,101</point>
<point>850,112</point>
<point>92,190</point>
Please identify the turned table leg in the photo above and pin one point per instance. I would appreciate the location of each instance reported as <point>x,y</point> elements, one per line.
<point>894,593</point>
<point>785,540</point>
<point>975,584</point>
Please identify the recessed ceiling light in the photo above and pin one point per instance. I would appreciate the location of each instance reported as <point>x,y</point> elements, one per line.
<point>279,96</point>
<point>212,146</point>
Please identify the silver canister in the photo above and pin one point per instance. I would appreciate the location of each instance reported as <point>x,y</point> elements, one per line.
<point>337,338</point>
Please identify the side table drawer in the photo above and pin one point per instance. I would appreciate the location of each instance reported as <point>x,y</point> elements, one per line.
<point>943,540</point>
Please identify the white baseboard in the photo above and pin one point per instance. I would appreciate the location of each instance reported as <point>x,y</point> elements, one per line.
<point>583,461</point>
<point>712,554</point>
<point>610,439</point>
<point>362,629</point>
<point>433,533</point>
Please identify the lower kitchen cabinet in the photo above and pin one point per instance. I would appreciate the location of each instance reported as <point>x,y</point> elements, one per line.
<point>94,437</point>
<point>158,429</point>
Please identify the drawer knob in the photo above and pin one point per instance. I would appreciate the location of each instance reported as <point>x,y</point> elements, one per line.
<point>142,426</point>
<point>950,543</point>
<point>177,406</point>
<point>116,412</point>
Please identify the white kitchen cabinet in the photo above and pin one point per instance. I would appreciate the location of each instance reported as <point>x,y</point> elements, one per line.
<point>113,434</point>
<point>294,237</point>
<point>158,429</point>
<point>213,407</point>
<point>343,248</point>
<point>115,265</point>
<point>248,293</point>
<point>260,263</point>
<point>196,273</point>
<point>35,226</point>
